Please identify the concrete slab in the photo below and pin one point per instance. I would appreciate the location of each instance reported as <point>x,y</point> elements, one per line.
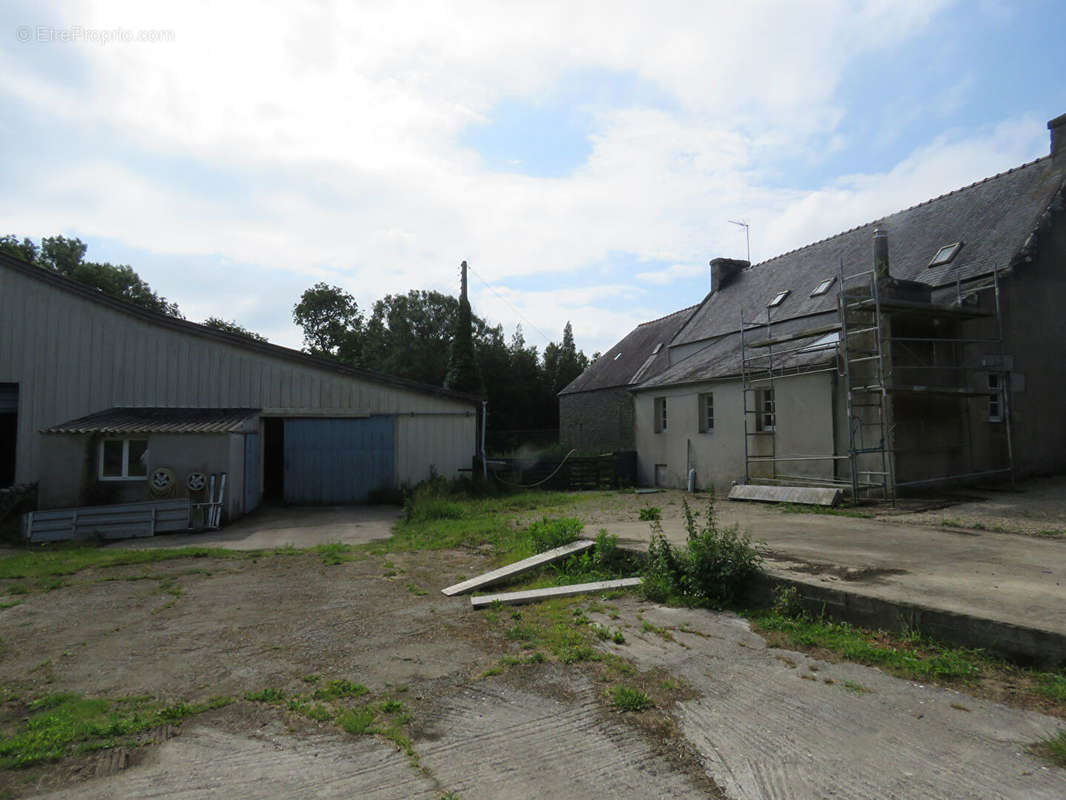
<point>267,528</point>
<point>773,724</point>
<point>804,495</point>
<point>1004,578</point>
<point>505,740</point>
<point>517,568</point>
<point>204,762</point>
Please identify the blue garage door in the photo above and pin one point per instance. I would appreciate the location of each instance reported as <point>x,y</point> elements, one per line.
<point>337,461</point>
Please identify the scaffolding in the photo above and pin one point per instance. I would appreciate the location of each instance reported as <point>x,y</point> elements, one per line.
<point>876,365</point>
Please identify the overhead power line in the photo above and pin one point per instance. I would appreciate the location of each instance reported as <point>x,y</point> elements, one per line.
<point>509,303</point>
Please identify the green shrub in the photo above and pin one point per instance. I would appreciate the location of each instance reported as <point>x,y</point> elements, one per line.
<point>550,533</point>
<point>712,569</point>
<point>650,514</point>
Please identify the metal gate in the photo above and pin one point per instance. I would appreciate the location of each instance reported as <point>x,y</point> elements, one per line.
<point>338,461</point>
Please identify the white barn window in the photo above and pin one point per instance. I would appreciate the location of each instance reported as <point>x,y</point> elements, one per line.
<point>123,459</point>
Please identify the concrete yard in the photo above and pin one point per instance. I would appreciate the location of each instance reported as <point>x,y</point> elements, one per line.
<point>733,717</point>
<point>1013,579</point>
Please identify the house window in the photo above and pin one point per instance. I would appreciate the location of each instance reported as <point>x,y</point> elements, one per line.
<point>822,287</point>
<point>123,459</point>
<point>765,416</point>
<point>945,254</point>
<point>707,413</point>
<point>995,398</point>
<point>779,298</point>
<point>660,414</point>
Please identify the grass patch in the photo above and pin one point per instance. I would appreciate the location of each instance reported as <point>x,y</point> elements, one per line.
<point>266,696</point>
<point>650,514</point>
<point>917,658</point>
<point>799,508</point>
<point>912,657</point>
<point>335,553</point>
<point>64,724</point>
<point>357,721</point>
<point>626,698</point>
<point>1053,749</point>
<point>340,688</point>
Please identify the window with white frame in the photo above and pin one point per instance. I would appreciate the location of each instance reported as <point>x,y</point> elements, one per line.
<point>706,412</point>
<point>123,459</point>
<point>995,397</point>
<point>765,416</point>
<point>660,414</point>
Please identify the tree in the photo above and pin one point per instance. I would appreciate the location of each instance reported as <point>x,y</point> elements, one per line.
<point>409,335</point>
<point>220,324</point>
<point>67,257</point>
<point>463,374</point>
<point>331,322</point>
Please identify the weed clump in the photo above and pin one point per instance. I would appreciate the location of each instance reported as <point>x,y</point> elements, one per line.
<point>551,533</point>
<point>650,514</point>
<point>711,570</point>
<point>625,698</point>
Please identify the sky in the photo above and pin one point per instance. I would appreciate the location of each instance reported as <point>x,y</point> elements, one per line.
<point>585,158</point>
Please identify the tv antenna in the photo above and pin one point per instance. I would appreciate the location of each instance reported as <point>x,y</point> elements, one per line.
<point>747,236</point>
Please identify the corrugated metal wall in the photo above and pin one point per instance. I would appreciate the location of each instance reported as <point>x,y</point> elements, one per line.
<point>337,461</point>
<point>72,357</point>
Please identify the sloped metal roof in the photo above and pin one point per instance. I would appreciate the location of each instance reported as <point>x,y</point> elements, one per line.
<point>159,420</point>
<point>637,357</point>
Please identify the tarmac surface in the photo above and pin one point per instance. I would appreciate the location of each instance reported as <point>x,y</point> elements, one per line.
<point>1015,579</point>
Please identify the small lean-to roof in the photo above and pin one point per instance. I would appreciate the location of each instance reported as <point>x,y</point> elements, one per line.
<point>995,219</point>
<point>124,421</point>
<point>641,354</point>
<point>264,348</point>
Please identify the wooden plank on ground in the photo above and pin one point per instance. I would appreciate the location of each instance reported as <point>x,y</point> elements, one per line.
<point>517,568</point>
<point>533,595</point>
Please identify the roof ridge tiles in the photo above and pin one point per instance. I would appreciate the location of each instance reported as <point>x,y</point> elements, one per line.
<point>900,211</point>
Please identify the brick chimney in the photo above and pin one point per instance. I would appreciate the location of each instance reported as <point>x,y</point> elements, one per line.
<point>724,270</point>
<point>1057,127</point>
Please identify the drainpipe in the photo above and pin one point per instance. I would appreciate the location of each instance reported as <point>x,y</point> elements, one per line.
<point>484,424</point>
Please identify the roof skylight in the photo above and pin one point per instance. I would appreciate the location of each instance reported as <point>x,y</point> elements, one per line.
<point>617,355</point>
<point>779,298</point>
<point>945,254</point>
<point>822,287</point>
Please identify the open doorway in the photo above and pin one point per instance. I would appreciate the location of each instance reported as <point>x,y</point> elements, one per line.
<point>273,460</point>
<point>9,404</point>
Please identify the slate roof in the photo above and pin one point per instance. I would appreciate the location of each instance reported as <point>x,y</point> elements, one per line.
<point>721,357</point>
<point>994,219</point>
<point>634,358</point>
<point>118,421</point>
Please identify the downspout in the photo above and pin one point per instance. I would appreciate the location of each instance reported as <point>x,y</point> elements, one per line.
<point>484,424</point>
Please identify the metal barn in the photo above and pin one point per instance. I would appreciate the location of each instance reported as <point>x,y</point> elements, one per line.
<point>102,402</point>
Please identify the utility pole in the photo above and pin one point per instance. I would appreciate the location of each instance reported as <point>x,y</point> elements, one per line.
<point>747,236</point>
<point>462,283</point>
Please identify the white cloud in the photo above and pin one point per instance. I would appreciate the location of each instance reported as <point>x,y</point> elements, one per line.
<point>334,130</point>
